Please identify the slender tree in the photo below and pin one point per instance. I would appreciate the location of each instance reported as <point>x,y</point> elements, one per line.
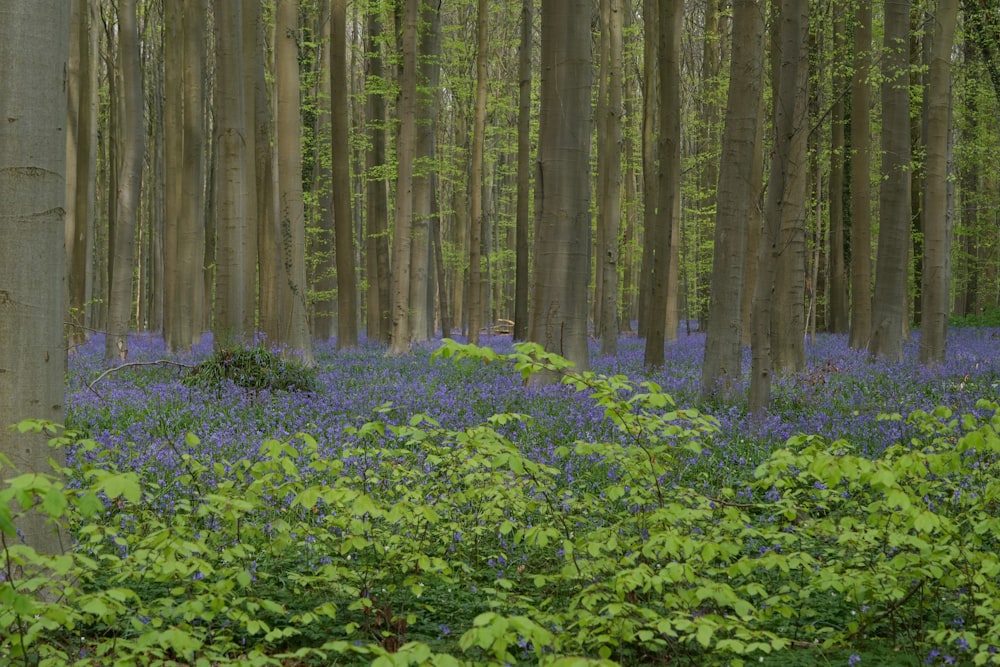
<point>609,208</point>
<point>937,230</point>
<point>232,299</point>
<point>522,259</point>
<point>861,239</point>
<point>294,330</point>
<point>376,204</point>
<point>347,291</point>
<point>664,232</point>
<point>723,344</point>
<point>839,306</point>
<point>784,210</point>
<point>127,201</point>
<point>476,173</point>
<point>894,197</point>
<point>562,188</point>
<point>401,241</point>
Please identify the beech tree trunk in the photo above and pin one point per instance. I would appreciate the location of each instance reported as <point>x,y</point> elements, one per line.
<point>937,216</point>
<point>406,108</point>
<point>891,269</point>
<point>723,344</point>
<point>522,256</point>
<point>127,201</point>
<point>376,211</point>
<point>476,175</point>
<point>665,231</point>
<point>861,239</point>
<point>294,330</point>
<point>347,291</point>
<point>231,297</point>
<point>839,306</point>
<point>562,248</point>
<point>34,46</point>
<point>609,207</point>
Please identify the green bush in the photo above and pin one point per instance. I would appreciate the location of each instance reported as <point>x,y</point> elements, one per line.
<point>253,368</point>
<point>422,545</point>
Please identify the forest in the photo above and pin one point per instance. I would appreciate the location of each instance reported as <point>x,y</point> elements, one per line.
<point>577,334</point>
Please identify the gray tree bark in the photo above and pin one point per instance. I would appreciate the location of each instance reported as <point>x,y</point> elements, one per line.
<point>127,201</point>
<point>522,260</point>
<point>34,48</point>
<point>937,216</point>
<point>294,331</point>
<point>476,175</point>
<point>723,343</point>
<point>347,291</point>
<point>891,269</point>
<point>562,247</point>
<point>861,238</point>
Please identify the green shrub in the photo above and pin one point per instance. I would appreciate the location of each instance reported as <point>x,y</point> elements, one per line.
<point>253,368</point>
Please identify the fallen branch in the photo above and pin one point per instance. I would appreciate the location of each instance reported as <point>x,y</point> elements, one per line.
<point>158,362</point>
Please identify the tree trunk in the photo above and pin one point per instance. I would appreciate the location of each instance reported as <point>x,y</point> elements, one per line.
<point>421,302</point>
<point>650,97</point>
<point>523,219</point>
<point>476,175</point>
<point>294,332</point>
<point>34,48</point>
<point>377,212</point>
<point>664,235</point>
<point>894,198</point>
<point>937,217</point>
<point>347,291</point>
<point>406,109</point>
<point>127,201</point>
<point>723,343</point>
<point>789,309</point>
<point>839,308</point>
<point>81,142</point>
<point>562,262</point>
<point>231,298</point>
<point>861,239</point>
<point>609,209</point>
<point>777,320</point>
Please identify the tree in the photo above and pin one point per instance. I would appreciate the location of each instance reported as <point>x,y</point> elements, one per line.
<point>662,235</point>
<point>376,205</point>
<point>562,187</point>
<point>294,331</point>
<point>232,299</point>
<point>127,202</point>
<point>782,237</point>
<point>401,241</point>
<point>81,155</point>
<point>522,265</point>
<point>34,48</point>
<point>839,307</point>
<point>723,348</point>
<point>476,175</point>
<point>894,197</point>
<point>609,177</point>
<point>937,230</point>
<point>347,291</point>
<point>861,239</point>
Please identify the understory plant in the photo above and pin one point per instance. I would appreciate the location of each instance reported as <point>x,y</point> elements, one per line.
<point>420,544</point>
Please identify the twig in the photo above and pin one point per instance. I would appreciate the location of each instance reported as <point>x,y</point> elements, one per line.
<point>158,362</point>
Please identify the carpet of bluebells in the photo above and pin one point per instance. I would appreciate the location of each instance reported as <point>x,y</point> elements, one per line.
<point>143,412</point>
<point>141,416</point>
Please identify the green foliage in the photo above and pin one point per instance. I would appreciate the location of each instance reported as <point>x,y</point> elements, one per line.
<point>253,368</point>
<point>987,318</point>
<point>372,555</point>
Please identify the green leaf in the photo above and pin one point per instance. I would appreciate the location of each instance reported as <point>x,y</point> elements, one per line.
<point>54,503</point>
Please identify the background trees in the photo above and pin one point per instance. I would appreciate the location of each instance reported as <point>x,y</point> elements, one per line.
<point>373,68</point>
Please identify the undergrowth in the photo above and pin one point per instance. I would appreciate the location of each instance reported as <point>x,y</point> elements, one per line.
<point>427,545</point>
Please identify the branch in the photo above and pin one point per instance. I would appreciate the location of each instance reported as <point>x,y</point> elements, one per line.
<point>158,362</point>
